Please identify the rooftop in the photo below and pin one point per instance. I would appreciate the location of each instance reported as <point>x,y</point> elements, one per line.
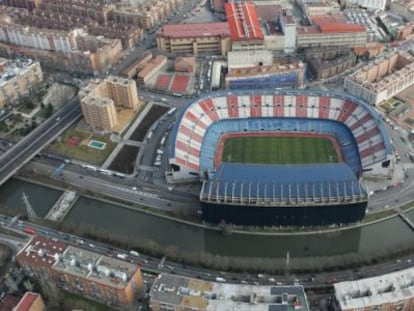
<point>27,301</point>
<point>203,295</point>
<point>12,68</point>
<point>178,31</point>
<point>264,70</point>
<point>243,21</point>
<point>59,256</point>
<point>384,289</point>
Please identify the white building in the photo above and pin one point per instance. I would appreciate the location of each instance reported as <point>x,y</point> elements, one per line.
<point>393,291</point>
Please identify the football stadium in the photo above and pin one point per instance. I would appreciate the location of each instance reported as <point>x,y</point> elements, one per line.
<point>279,157</point>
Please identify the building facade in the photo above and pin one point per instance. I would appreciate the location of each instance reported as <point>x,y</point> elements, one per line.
<point>326,63</point>
<point>98,277</point>
<point>199,38</point>
<point>101,99</point>
<point>18,78</point>
<point>72,51</point>
<point>331,35</point>
<point>382,78</point>
<point>262,76</point>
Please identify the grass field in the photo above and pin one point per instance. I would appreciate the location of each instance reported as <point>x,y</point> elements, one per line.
<point>279,150</point>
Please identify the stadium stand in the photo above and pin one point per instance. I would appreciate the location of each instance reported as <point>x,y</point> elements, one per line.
<point>357,128</point>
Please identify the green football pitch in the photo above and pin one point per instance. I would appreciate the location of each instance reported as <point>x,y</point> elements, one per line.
<point>279,150</point>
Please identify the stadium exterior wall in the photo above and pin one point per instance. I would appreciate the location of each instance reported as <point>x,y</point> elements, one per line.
<point>322,215</point>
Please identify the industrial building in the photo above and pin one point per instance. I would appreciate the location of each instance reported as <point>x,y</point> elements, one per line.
<point>319,8</point>
<point>18,78</point>
<point>101,99</point>
<point>382,78</point>
<point>245,29</point>
<point>173,292</point>
<point>197,38</point>
<point>324,63</point>
<point>132,70</point>
<point>266,76</point>
<point>350,35</point>
<point>151,68</point>
<point>79,271</point>
<point>392,291</point>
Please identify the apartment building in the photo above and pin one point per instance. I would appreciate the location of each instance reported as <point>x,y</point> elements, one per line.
<point>403,8</point>
<point>173,292</point>
<point>145,15</point>
<point>198,38</point>
<point>325,63</point>
<point>72,51</point>
<point>18,78</point>
<point>98,277</point>
<point>101,99</point>
<point>392,291</point>
<point>382,78</point>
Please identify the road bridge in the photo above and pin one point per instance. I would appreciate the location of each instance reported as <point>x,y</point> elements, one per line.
<point>22,152</point>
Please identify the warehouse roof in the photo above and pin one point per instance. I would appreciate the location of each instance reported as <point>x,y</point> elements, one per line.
<point>243,21</point>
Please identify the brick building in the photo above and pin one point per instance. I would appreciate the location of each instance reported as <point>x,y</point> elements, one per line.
<point>30,302</point>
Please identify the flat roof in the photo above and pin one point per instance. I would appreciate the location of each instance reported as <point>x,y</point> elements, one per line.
<point>384,289</point>
<point>283,181</point>
<point>340,28</point>
<point>56,255</point>
<point>243,21</point>
<point>27,301</point>
<point>192,30</point>
<point>212,296</point>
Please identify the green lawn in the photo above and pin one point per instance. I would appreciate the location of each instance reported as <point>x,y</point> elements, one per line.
<point>279,150</point>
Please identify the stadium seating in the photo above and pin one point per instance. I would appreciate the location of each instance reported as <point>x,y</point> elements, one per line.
<point>206,119</point>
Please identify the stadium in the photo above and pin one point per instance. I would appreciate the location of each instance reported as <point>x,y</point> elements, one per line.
<point>279,157</point>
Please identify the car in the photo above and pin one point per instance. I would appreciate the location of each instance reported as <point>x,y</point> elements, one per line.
<point>134,188</point>
<point>58,119</point>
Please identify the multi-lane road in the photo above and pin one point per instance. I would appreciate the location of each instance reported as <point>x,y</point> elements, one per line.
<point>22,152</point>
<point>152,265</point>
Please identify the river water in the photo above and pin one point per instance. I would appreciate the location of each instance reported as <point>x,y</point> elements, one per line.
<point>379,238</point>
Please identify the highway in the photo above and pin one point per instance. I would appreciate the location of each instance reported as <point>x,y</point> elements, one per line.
<point>150,265</point>
<point>21,153</point>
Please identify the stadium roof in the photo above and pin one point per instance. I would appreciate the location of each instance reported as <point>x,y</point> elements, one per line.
<point>286,182</point>
<point>195,30</point>
<point>243,21</point>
